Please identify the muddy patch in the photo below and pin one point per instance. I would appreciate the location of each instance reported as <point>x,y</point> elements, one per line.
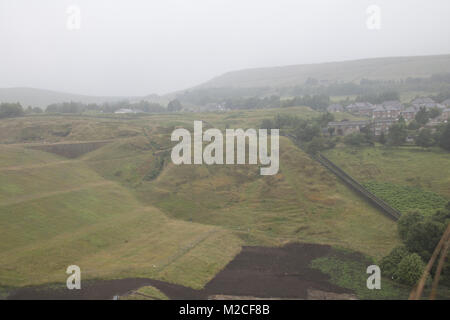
<point>262,272</point>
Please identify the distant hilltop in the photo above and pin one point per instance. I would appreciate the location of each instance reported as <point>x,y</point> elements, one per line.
<point>393,68</point>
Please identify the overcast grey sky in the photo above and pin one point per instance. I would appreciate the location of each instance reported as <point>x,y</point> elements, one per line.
<point>132,47</point>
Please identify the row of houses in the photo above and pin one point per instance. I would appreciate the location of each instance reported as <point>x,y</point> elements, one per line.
<point>378,126</point>
<point>343,128</point>
<point>392,109</point>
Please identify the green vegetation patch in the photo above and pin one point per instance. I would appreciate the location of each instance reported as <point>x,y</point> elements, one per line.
<point>410,166</point>
<point>145,293</point>
<point>407,198</point>
<point>346,271</point>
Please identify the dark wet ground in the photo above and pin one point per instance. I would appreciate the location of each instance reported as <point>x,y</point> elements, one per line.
<point>262,272</point>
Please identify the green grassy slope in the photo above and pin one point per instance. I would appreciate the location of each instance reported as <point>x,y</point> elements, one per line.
<point>125,210</point>
<point>65,213</point>
<point>303,202</point>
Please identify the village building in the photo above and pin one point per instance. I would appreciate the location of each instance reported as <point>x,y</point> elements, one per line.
<point>382,126</point>
<point>393,103</point>
<point>343,128</point>
<point>427,103</point>
<point>379,112</point>
<point>409,113</point>
<point>387,110</point>
<point>422,101</point>
<point>335,108</point>
<point>393,111</point>
<point>446,103</point>
<point>122,111</point>
<point>445,114</point>
<point>361,108</point>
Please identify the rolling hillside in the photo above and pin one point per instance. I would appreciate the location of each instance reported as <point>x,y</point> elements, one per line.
<point>124,210</point>
<point>344,71</point>
<point>56,212</point>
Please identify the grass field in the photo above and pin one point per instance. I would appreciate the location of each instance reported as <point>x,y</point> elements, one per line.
<point>124,210</point>
<point>407,198</point>
<point>65,213</point>
<point>397,168</point>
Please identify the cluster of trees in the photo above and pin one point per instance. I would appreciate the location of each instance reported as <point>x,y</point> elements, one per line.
<point>35,110</point>
<point>398,133</point>
<point>308,133</point>
<point>365,90</point>
<point>78,107</point>
<point>204,96</point>
<point>440,136</point>
<point>313,135</point>
<point>174,106</point>
<point>377,98</point>
<point>318,102</point>
<point>10,110</point>
<point>420,234</point>
<point>423,115</point>
<point>363,138</point>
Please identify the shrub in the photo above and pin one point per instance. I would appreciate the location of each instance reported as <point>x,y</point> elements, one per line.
<point>410,269</point>
<point>397,134</point>
<point>389,263</point>
<point>9,110</point>
<point>425,138</point>
<point>444,139</point>
<point>406,221</point>
<point>358,139</point>
<point>423,237</point>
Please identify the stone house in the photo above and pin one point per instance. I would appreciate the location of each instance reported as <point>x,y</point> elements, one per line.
<point>343,128</point>
<point>409,113</point>
<point>335,108</point>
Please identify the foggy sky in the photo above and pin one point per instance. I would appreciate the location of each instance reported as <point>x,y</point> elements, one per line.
<point>133,47</point>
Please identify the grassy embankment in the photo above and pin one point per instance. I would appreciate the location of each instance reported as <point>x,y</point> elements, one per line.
<point>124,210</point>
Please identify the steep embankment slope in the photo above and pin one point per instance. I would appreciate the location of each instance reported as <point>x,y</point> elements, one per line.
<point>61,213</point>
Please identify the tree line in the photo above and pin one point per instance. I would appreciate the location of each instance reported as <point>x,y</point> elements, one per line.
<point>315,135</point>
<point>368,90</point>
<point>11,110</point>
<point>419,234</point>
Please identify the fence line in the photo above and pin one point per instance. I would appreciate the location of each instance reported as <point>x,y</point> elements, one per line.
<point>356,186</point>
<point>353,184</point>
